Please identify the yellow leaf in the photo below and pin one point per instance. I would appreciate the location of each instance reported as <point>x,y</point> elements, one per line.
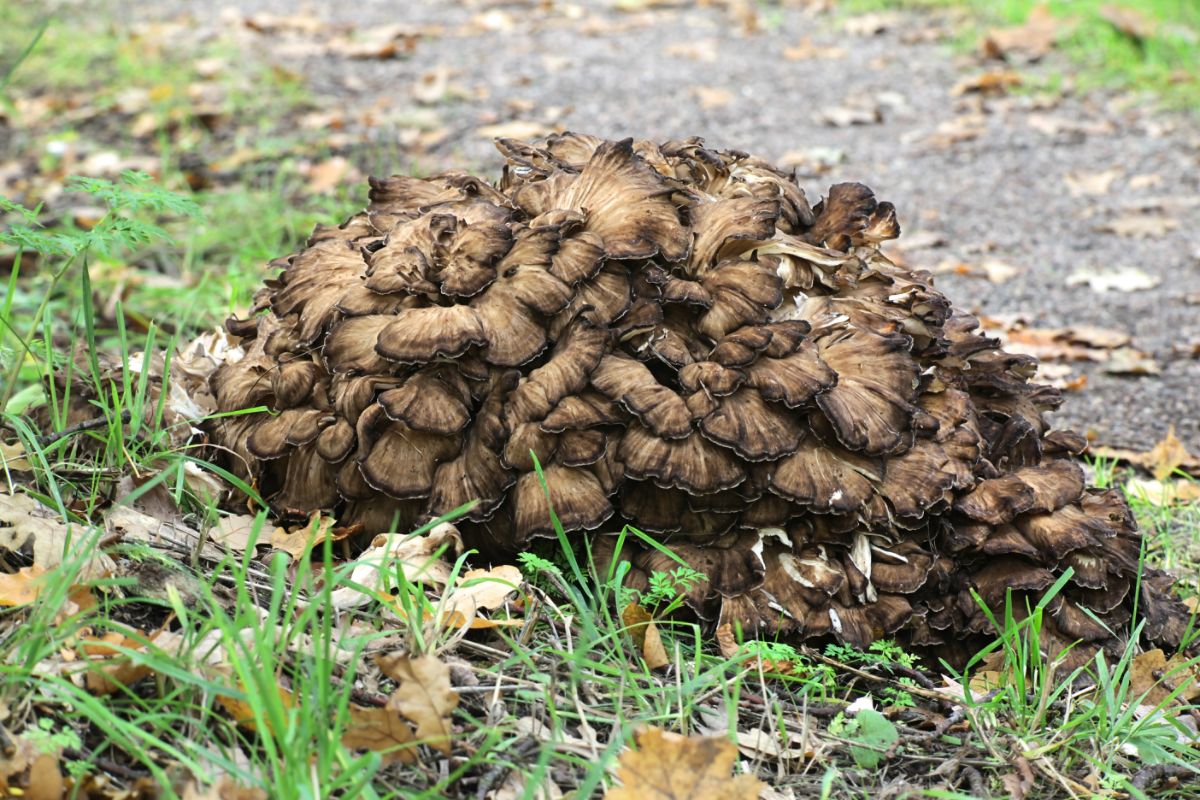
<point>645,635</point>
<point>481,590</point>
<point>1166,456</point>
<point>1157,676</point>
<point>381,730</point>
<point>21,587</point>
<point>667,766</point>
<point>298,542</point>
<point>423,696</point>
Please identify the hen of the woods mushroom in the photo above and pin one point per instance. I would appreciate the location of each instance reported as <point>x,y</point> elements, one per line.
<point>689,346</point>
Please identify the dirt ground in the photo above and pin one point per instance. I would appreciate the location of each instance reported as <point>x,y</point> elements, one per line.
<point>984,181</point>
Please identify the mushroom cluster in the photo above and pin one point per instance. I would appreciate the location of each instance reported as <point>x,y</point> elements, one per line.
<point>685,344</point>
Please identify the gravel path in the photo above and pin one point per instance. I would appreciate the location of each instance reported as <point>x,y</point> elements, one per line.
<point>986,172</point>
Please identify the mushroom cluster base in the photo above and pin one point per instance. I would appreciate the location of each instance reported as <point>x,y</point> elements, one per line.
<point>685,345</point>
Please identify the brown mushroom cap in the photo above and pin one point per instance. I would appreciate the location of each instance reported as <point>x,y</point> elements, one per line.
<point>678,342</point>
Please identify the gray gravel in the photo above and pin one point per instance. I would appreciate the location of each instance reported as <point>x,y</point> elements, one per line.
<point>1001,195</point>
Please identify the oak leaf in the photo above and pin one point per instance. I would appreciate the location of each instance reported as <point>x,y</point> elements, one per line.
<point>423,696</point>
<point>667,766</point>
<point>381,730</point>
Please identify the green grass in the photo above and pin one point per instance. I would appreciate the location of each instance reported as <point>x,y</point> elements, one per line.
<point>244,668</point>
<point>1165,64</point>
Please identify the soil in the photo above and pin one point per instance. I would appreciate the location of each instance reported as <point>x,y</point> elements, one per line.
<point>665,70</point>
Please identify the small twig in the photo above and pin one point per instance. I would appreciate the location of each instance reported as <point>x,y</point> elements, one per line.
<point>47,439</point>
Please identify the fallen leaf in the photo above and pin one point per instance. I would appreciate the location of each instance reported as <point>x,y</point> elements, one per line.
<point>1140,226</point>
<point>1162,460</point>
<point>1121,279</point>
<point>963,128</point>
<point>1055,125</point>
<point>695,50</point>
<point>872,24</point>
<point>846,115</point>
<point>416,555</point>
<point>423,696</point>
<point>523,130</point>
<point>21,587</point>
<point>1154,675</point>
<point>813,161</point>
<point>235,532</point>
<point>481,590</point>
<point>1081,183</point>
<point>381,730</point>
<point>299,541</point>
<point>1167,456</point>
<point>1130,361</point>
<point>1163,493</point>
<point>807,50</point>
<point>431,87</point>
<point>667,766</point>
<point>992,82</point>
<point>382,42</point>
<point>1031,41</point>
<point>30,528</point>
<point>1148,180</point>
<point>1018,783</point>
<point>712,97</point>
<point>640,624</point>
<point>13,457</point>
<point>1129,21</point>
<point>30,769</point>
<point>326,176</point>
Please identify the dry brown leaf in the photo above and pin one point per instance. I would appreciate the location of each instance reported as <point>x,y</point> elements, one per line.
<point>1161,460</point>
<point>1130,361</point>
<point>872,24</point>
<point>695,50</point>
<point>1129,21</point>
<point>963,128</point>
<point>418,556</point>
<point>299,541</point>
<point>21,587</point>
<point>326,176</point>
<point>1157,676</point>
<point>806,50</point>
<point>423,696</point>
<point>1120,279</point>
<point>515,129</point>
<point>813,161</point>
<point>28,527</point>
<point>481,590</point>
<point>1141,226</point>
<point>846,115</point>
<point>29,770</point>
<point>1167,456</point>
<point>1164,493</point>
<point>382,42</point>
<point>381,730</point>
<point>992,82</point>
<point>234,532</point>
<point>1034,39</point>
<point>712,96</point>
<point>224,789</point>
<point>13,457</point>
<point>667,766</point>
<point>1081,183</point>
<point>1018,784</point>
<point>1054,125</point>
<point>640,624</point>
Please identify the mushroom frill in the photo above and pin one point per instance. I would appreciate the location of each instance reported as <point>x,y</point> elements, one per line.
<point>684,344</point>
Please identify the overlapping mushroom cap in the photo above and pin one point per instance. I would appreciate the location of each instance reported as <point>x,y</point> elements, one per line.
<point>685,344</point>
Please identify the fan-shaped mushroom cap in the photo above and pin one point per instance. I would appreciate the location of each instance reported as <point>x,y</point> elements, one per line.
<point>681,344</point>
